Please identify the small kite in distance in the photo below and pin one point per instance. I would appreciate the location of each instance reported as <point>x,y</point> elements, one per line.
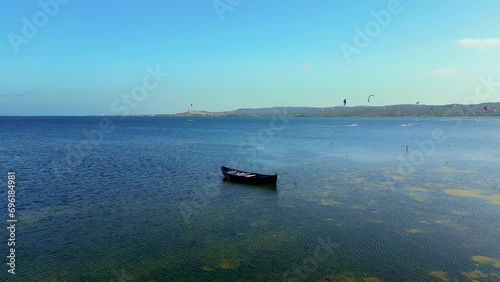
<point>418,102</point>
<point>345,101</point>
<point>369,97</point>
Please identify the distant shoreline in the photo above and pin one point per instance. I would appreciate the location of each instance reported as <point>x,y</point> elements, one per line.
<point>451,110</point>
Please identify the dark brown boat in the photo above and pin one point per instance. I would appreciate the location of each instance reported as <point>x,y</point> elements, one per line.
<point>234,175</point>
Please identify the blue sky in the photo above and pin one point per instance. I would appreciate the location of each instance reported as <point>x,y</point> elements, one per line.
<point>85,56</point>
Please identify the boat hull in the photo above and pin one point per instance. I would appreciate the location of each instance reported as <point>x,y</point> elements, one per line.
<point>234,175</point>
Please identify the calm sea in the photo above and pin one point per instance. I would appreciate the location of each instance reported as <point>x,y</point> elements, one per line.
<point>142,199</point>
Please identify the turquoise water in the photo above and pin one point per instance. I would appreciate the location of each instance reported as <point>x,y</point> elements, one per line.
<point>142,199</point>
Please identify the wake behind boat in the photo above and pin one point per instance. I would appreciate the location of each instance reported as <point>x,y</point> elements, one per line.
<point>234,175</point>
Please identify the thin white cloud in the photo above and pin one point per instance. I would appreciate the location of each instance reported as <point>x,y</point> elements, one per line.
<point>478,43</point>
<point>443,72</point>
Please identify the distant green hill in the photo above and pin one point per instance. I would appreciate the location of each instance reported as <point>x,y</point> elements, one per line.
<point>362,111</point>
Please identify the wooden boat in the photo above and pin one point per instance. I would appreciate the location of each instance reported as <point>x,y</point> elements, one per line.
<point>234,175</point>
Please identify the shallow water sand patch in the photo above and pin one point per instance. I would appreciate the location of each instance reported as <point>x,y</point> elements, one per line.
<point>360,179</point>
<point>229,265</point>
<point>414,231</point>
<point>325,193</point>
<point>447,169</point>
<point>371,279</point>
<point>416,189</point>
<point>478,274</point>
<point>441,275</point>
<point>224,265</point>
<point>324,202</point>
<point>218,254</point>
<point>441,221</point>
<point>448,223</point>
<point>492,199</point>
<point>416,193</point>
<point>207,268</point>
<point>397,177</point>
<point>436,185</point>
<point>335,221</point>
<point>419,197</point>
<point>464,193</point>
<point>460,213</point>
<point>487,260</point>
